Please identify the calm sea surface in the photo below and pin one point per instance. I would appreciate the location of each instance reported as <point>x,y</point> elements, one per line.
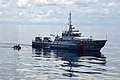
<point>46,64</point>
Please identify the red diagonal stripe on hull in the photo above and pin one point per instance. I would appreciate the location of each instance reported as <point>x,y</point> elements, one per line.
<point>81,47</point>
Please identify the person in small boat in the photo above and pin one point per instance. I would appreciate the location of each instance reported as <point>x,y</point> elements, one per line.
<point>18,47</point>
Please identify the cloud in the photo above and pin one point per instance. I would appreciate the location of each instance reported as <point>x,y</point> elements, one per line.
<point>53,2</point>
<point>48,10</point>
<point>44,17</point>
<point>41,1</point>
<point>22,3</point>
<point>5,3</point>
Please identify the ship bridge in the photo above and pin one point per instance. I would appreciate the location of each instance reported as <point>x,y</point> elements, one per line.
<point>76,34</point>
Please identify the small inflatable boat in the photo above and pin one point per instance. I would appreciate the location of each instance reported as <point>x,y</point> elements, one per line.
<point>17,47</point>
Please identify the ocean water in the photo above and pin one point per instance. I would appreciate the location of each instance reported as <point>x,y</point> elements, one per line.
<point>47,64</point>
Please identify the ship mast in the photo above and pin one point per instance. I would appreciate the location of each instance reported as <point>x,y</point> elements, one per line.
<point>70,26</point>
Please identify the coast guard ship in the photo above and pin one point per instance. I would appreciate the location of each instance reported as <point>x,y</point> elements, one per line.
<point>71,40</point>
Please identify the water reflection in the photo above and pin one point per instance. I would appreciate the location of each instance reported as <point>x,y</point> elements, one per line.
<point>74,63</point>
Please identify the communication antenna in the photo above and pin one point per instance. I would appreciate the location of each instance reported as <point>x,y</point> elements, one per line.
<point>70,26</point>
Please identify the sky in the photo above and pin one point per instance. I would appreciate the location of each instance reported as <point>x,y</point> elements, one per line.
<point>47,12</point>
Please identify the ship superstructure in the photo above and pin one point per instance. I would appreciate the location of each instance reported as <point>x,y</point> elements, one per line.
<point>73,39</point>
